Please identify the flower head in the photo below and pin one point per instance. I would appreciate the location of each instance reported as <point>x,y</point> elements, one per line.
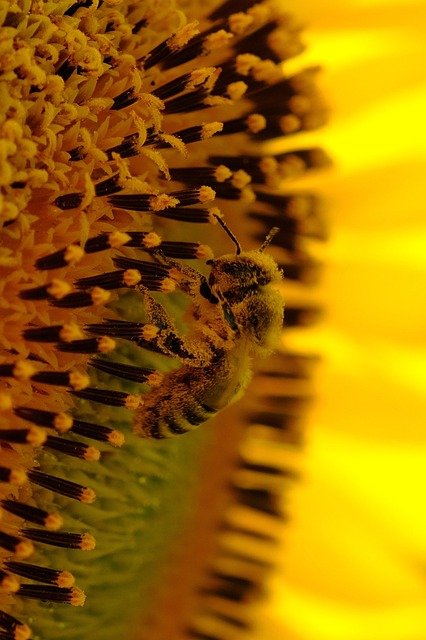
<point>127,131</point>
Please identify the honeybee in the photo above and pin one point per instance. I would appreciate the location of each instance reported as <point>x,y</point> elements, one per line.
<point>236,315</point>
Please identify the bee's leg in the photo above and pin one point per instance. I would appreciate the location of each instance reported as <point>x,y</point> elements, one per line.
<point>164,336</point>
<point>189,279</point>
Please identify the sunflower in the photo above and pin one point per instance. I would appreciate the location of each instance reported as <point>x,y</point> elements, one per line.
<point>129,133</point>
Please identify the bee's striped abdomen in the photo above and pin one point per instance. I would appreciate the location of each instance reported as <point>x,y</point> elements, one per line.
<point>188,397</point>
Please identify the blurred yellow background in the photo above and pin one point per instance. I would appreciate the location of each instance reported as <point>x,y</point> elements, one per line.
<point>354,564</point>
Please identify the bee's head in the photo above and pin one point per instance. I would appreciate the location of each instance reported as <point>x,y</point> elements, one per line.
<point>245,284</point>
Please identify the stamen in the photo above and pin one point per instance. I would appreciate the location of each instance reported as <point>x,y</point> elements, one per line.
<point>59,421</point>
<point>62,579</point>
<point>51,521</point>
<point>55,333</point>
<point>126,371</point>
<point>109,397</point>
<point>193,134</point>
<point>16,629</point>
<point>83,541</point>
<point>8,583</point>
<point>16,477</point>
<point>98,432</point>
<point>33,436</point>
<point>91,345</point>
<point>73,379</point>
<point>64,487</point>
<point>72,596</point>
<point>124,99</point>
<point>72,448</point>
<point>96,297</point>
<point>62,258</point>
<point>167,52</point>
<point>22,548</point>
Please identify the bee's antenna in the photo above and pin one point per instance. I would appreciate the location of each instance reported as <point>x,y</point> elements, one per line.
<point>230,234</point>
<point>273,232</point>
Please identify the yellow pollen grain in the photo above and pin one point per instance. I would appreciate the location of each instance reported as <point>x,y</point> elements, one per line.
<point>116,438</point>
<point>78,380</point>
<point>23,370</point>
<point>10,584</point>
<point>240,179</point>
<point>131,277</point>
<point>168,285</point>
<point>183,36</point>
<point>92,454</point>
<point>36,436</point>
<point>204,252</point>
<point>214,213</point>
<point>240,22</point>
<point>70,331</point>
<point>53,522</point>
<point>62,422</point>
<point>6,401</point>
<point>65,580</point>
<point>99,296</point>
<point>217,40</point>
<point>247,195</point>
<point>88,542</point>
<point>151,240</point>
<point>290,123</point>
<point>245,62</point>
<point>106,344</point>
<point>24,549</point>
<point>133,402</point>
<point>216,101</point>
<point>18,477</point>
<point>118,239</point>
<point>22,632</point>
<point>266,71</point>
<point>236,90</point>
<point>210,129</point>
<point>256,122</point>
<point>149,331</point>
<point>162,201</point>
<point>199,76</point>
<point>78,597</point>
<point>88,496</point>
<point>222,173</point>
<point>73,254</point>
<point>155,379</point>
<point>206,194</point>
<point>58,289</point>
<point>300,104</point>
<point>268,165</point>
